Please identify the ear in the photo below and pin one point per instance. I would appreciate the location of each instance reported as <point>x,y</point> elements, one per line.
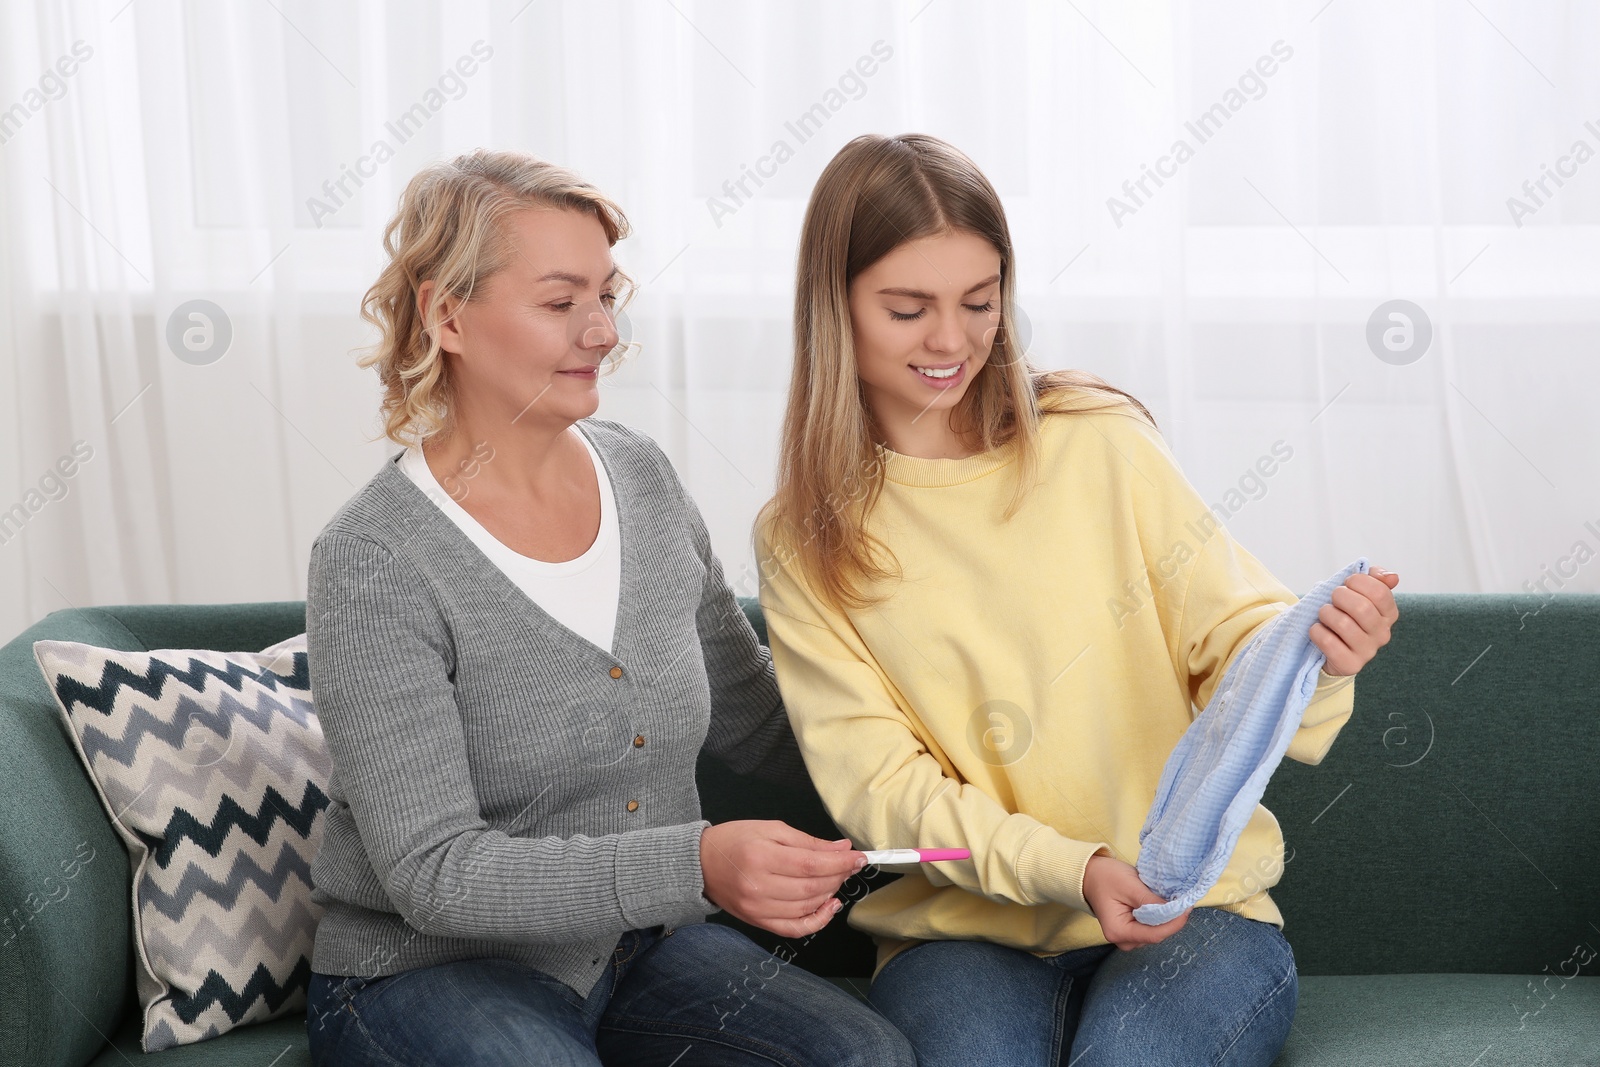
<point>449,330</point>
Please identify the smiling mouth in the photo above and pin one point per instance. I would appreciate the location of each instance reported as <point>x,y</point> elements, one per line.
<point>937,373</point>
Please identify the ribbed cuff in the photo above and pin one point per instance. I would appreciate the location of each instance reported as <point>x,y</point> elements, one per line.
<point>1333,698</point>
<point>658,876</point>
<point>1050,868</point>
<point>1326,680</point>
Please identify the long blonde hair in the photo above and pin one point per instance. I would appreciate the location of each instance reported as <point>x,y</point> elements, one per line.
<point>876,194</point>
<point>448,228</point>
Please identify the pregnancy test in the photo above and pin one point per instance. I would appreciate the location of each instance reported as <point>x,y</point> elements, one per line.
<point>916,855</point>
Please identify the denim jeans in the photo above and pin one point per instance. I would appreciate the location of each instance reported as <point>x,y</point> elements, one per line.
<point>1222,990</point>
<point>700,994</point>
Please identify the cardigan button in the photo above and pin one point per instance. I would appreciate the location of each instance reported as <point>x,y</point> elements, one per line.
<point>616,672</point>
<point>638,742</point>
<point>633,805</point>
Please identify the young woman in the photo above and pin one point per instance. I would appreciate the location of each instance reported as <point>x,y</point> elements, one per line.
<point>519,642</point>
<point>994,603</point>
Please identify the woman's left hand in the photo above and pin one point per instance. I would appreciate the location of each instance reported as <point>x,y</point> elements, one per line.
<point>1350,630</point>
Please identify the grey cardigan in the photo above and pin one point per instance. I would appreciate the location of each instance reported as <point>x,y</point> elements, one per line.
<point>501,786</point>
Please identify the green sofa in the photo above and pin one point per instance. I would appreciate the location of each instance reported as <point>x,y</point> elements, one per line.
<point>1442,888</point>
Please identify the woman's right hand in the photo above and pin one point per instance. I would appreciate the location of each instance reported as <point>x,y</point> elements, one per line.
<point>1112,890</point>
<point>773,876</point>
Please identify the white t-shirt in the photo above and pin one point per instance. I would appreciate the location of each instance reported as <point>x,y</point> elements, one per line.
<point>580,593</point>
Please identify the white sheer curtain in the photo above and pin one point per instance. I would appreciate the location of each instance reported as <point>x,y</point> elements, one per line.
<point>1342,155</point>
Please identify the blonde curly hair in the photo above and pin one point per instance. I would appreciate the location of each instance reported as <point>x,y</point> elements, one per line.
<point>448,228</point>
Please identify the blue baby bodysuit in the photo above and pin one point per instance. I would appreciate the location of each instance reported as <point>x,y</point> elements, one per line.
<point>1216,775</point>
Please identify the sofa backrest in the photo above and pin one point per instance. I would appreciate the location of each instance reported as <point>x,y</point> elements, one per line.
<point>1454,826</point>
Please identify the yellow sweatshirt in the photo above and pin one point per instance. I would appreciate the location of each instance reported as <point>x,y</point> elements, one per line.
<point>1020,688</point>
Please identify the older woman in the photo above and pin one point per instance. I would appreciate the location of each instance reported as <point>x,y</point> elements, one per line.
<point>515,676</point>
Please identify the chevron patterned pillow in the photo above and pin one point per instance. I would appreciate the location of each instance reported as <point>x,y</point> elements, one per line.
<point>213,770</point>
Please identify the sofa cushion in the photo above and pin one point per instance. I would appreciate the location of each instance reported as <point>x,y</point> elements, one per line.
<point>279,1043</point>
<point>1399,1020</point>
<point>1469,1020</point>
<point>1455,825</point>
<point>213,770</point>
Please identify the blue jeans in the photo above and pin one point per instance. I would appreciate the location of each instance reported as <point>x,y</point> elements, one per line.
<point>1222,990</point>
<point>701,994</point>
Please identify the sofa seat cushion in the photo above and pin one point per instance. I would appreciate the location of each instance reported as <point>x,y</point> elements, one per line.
<point>1391,1020</point>
<point>279,1043</point>
<point>1469,1020</point>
